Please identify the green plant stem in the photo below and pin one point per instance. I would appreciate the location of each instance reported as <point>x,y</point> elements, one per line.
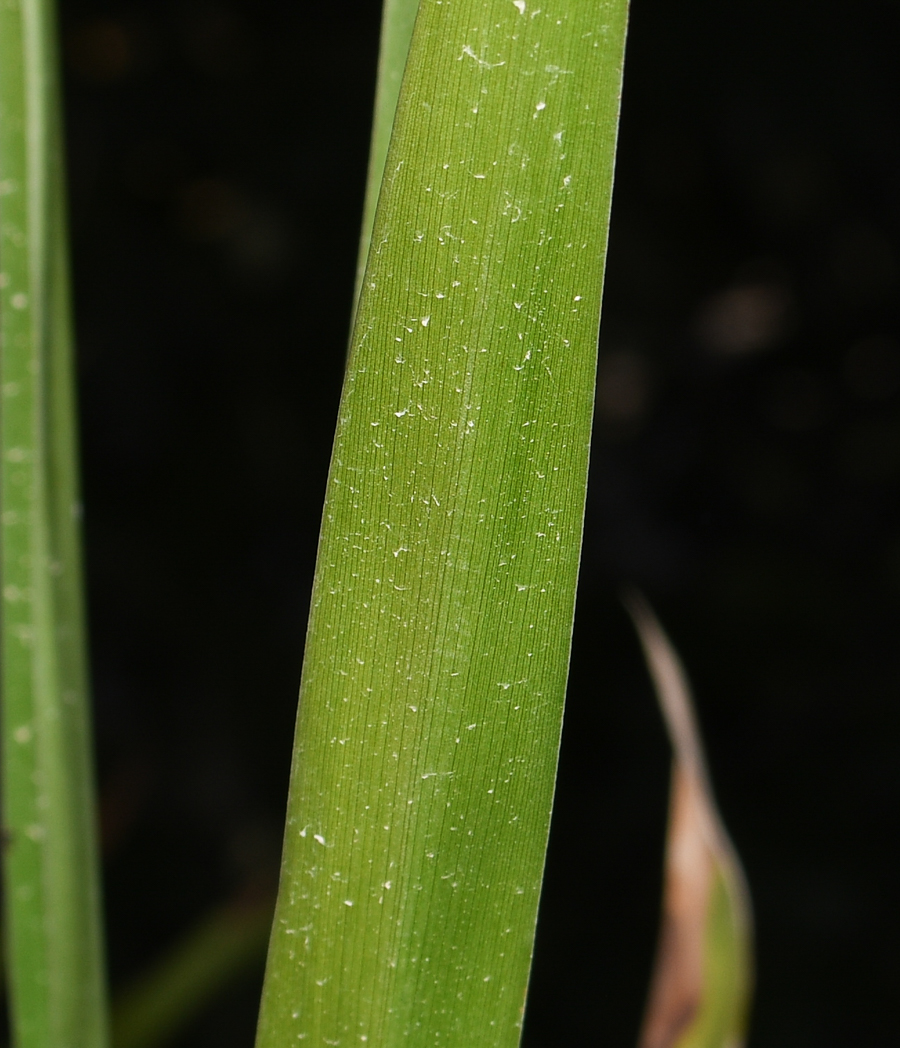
<point>53,938</point>
<point>440,629</point>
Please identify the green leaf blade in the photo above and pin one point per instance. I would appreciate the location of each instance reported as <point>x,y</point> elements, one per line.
<point>439,638</point>
<point>54,942</point>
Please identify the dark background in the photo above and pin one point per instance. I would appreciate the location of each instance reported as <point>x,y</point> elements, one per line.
<point>745,473</point>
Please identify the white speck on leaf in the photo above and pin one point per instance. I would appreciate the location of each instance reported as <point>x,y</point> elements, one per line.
<point>471,54</point>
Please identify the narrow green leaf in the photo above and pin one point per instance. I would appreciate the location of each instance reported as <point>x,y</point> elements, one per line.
<point>397,20</point>
<point>54,943</point>
<point>701,987</point>
<point>161,1003</point>
<point>440,630</point>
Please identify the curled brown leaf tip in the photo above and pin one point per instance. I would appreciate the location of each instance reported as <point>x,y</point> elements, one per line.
<point>699,855</point>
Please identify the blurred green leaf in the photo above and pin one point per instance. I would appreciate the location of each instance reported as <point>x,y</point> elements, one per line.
<point>163,1001</point>
<point>52,910</point>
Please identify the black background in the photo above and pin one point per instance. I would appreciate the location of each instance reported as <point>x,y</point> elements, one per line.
<point>745,473</point>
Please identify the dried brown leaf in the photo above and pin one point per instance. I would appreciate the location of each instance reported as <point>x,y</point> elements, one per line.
<point>702,977</point>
